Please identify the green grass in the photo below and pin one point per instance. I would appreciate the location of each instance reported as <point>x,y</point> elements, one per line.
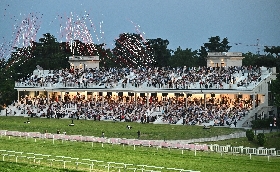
<point>24,167</point>
<point>273,141</point>
<point>204,161</point>
<point>112,129</point>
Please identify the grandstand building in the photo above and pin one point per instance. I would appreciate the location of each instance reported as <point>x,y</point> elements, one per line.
<point>221,91</point>
<point>221,59</point>
<point>83,62</point>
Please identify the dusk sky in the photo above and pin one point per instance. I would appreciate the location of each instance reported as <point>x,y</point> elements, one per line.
<point>185,23</point>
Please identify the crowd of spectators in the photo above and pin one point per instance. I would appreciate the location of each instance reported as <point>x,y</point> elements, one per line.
<point>221,111</point>
<point>166,77</point>
<point>173,110</point>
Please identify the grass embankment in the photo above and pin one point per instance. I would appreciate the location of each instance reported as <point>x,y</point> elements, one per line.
<point>272,141</point>
<point>203,161</point>
<point>112,129</point>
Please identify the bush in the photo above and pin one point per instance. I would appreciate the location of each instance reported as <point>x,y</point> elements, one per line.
<point>261,123</point>
<point>261,139</point>
<point>250,135</point>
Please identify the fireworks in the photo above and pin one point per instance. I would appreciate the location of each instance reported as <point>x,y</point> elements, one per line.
<point>133,51</point>
<point>78,34</point>
<point>23,38</point>
<point>24,31</point>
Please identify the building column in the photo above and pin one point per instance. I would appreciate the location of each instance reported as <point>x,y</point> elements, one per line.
<point>204,101</point>
<point>62,95</point>
<point>102,99</point>
<point>92,97</point>
<point>85,95</point>
<point>148,99</point>
<point>254,101</point>
<point>18,96</point>
<point>135,95</point>
<point>186,100</point>
<point>48,97</point>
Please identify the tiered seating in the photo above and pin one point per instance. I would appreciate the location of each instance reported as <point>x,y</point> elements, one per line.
<point>152,78</point>
<point>157,112</point>
<point>144,78</point>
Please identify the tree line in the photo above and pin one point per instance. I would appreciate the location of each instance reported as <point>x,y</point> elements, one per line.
<point>130,50</point>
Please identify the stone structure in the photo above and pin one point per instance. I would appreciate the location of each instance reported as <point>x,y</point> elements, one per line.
<point>83,62</point>
<point>218,59</point>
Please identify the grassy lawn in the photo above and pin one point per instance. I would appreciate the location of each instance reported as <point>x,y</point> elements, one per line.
<point>24,167</point>
<point>273,141</point>
<point>203,161</point>
<point>112,129</point>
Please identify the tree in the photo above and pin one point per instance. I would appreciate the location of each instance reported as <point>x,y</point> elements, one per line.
<point>160,51</point>
<point>273,50</point>
<point>261,139</point>
<point>11,70</point>
<point>275,85</point>
<point>47,53</point>
<point>202,56</point>
<point>215,44</point>
<point>185,57</point>
<point>250,135</point>
<point>106,58</point>
<point>260,123</point>
<point>7,92</point>
<point>249,59</point>
<point>50,54</point>
<point>132,50</point>
<point>267,61</point>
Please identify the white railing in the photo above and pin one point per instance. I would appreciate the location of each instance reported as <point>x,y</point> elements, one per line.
<point>244,150</point>
<point>90,163</point>
<point>78,163</point>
